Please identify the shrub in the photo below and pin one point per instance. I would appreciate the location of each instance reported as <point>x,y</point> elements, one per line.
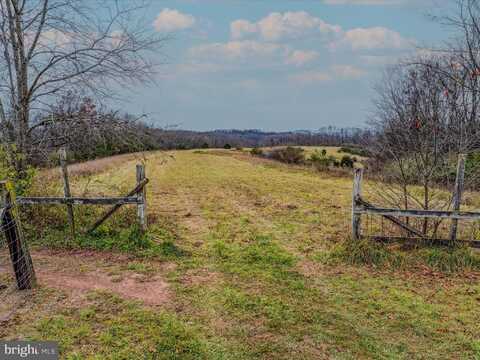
<point>346,161</point>
<point>205,146</point>
<point>354,151</point>
<point>472,166</point>
<point>227,146</point>
<point>20,182</point>
<point>256,151</point>
<point>321,161</point>
<point>317,156</point>
<point>289,155</point>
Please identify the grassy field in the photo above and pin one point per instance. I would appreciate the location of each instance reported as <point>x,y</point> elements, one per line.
<point>248,264</point>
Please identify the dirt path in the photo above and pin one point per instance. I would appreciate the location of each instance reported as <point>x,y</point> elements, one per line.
<point>79,273</point>
<point>155,291</point>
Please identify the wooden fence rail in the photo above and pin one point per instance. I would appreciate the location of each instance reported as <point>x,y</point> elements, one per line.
<point>137,197</point>
<point>361,207</point>
<point>77,200</point>
<point>20,257</point>
<point>454,215</point>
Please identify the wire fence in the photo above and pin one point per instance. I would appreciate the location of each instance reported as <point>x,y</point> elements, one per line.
<point>374,226</point>
<point>382,192</point>
<point>17,273</point>
<point>16,268</point>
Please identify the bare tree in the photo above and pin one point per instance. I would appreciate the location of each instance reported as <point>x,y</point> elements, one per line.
<point>88,130</point>
<point>423,120</point>
<point>51,47</point>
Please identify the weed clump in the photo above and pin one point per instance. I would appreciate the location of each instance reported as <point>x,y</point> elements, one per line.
<point>367,252</point>
<point>321,161</point>
<point>347,161</point>
<point>256,151</point>
<point>156,242</point>
<point>364,252</point>
<point>451,260</point>
<point>354,151</point>
<point>259,256</point>
<point>289,155</point>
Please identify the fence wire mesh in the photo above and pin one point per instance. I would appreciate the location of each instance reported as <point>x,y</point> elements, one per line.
<point>378,226</point>
<point>16,268</point>
<point>381,191</point>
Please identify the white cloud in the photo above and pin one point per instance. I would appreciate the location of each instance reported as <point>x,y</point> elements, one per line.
<point>271,42</point>
<point>241,28</point>
<point>237,50</point>
<point>172,20</point>
<point>289,25</point>
<point>300,57</point>
<point>285,27</point>
<point>252,51</point>
<point>373,38</point>
<point>50,38</point>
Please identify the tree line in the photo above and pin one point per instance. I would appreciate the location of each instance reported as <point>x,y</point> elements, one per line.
<point>90,130</point>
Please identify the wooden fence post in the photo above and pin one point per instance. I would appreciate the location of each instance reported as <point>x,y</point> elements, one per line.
<point>21,260</point>
<point>357,189</point>
<point>141,207</point>
<point>66,189</point>
<point>457,194</point>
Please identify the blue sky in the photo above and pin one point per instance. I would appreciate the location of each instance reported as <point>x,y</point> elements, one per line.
<point>277,65</point>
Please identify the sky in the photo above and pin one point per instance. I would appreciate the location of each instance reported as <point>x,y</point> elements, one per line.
<point>277,65</point>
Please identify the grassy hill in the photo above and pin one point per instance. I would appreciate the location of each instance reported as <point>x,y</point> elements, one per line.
<point>248,265</point>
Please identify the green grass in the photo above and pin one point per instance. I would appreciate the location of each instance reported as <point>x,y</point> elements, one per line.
<point>365,252</point>
<point>155,243</point>
<point>259,269</point>
<point>111,328</point>
<point>451,260</point>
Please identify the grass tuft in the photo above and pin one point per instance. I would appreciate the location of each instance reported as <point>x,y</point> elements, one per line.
<point>453,260</point>
<point>155,242</point>
<point>364,252</point>
<point>371,253</point>
<point>259,254</point>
